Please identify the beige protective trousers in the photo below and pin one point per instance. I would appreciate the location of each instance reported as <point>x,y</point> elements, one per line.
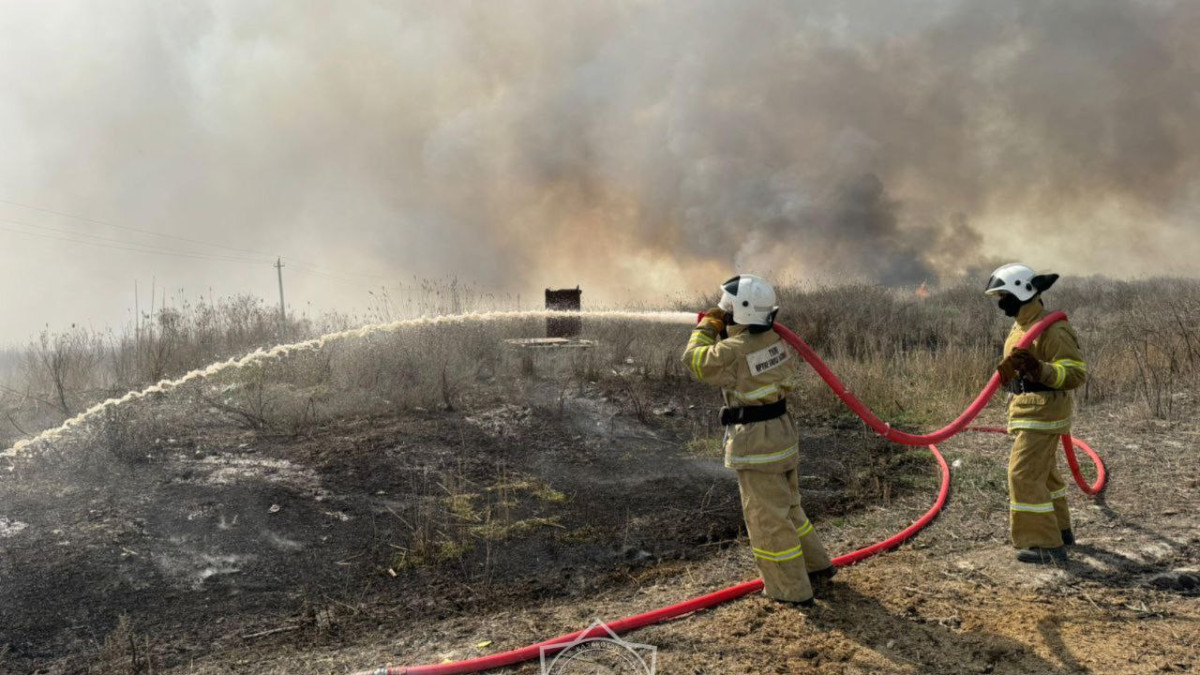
<point>1037,493</point>
<point>786,548</point>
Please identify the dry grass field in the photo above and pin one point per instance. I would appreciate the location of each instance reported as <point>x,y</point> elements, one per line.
<point>433,494</point>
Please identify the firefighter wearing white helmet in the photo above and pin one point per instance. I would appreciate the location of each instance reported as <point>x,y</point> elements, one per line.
<point>1041,379</point>
<point>750,299</point>
<point>1017,280</point>
<point>734,348</point>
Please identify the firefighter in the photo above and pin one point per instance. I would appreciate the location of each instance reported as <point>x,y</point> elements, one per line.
<point>1040,379</point>
<point>734,348</point>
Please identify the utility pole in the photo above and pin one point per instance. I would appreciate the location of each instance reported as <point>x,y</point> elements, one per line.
<point>282,311</point>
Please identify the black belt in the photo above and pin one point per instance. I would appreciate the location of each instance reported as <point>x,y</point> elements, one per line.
<point>753,413</point>
<point>1019,386</point>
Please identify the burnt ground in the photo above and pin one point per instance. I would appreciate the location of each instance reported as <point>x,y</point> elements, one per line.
<point>439,535</point>
<point>222,537</point>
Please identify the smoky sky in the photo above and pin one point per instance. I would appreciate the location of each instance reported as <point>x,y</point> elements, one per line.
<point>640,149</point>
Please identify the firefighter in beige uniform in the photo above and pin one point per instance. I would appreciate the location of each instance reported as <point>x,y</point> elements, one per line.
<point>754,369</point>
<point>1040,379</point>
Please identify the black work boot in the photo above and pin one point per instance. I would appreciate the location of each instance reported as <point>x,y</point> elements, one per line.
<point>803,604</point>
<point>823,575</point>
<point>1068,537</point>
<point>1040,555</point>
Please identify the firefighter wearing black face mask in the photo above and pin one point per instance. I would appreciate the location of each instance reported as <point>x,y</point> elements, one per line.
<point>1040,379</point>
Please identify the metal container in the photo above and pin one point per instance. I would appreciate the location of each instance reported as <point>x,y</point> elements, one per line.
<point>564,300</point>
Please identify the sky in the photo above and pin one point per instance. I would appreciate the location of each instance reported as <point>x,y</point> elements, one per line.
<point>641,149</point>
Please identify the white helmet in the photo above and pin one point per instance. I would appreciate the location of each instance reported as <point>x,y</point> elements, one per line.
<point>1019,280</point>
<point>750,299</point>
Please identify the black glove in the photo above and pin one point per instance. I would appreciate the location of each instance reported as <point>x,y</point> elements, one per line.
<point>1008,372</point>
<point>1026,364</point>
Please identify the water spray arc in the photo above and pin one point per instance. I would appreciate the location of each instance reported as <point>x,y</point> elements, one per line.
<point>961,423</point>
<point>278,351</point>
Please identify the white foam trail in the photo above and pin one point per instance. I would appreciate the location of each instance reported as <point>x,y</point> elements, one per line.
<point>317,343</point>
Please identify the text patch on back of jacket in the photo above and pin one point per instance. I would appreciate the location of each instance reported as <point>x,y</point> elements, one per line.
<point>765,359</point>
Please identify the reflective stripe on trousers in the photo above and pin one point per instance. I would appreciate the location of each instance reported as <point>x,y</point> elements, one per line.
<point>780,556</point>
<point>1036,513</point>
<point>1018,423</point>
<point>1048,507</point>
<point>766,458</point>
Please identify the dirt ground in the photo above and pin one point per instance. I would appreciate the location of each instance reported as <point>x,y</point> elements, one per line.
<point>436,535</point>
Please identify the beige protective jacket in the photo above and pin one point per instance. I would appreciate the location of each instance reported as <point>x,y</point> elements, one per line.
<point>1063,369</point>
<point>751,369</point>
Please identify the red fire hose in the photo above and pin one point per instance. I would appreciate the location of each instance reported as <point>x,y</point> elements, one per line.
<point>733,592</point>
<point>1069,443</point>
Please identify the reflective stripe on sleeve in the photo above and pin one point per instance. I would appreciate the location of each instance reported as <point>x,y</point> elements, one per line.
<point>805,529</point>
<point>1060,374</point>
<point>697,358</point>
<point>1072,363</point>
<point>1058,494</point>
<point>1060,370</point>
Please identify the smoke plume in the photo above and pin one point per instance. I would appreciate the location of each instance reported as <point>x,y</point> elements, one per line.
<point>635,147</point>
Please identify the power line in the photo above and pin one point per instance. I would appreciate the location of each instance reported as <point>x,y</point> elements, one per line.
<point>84,237</point>
<point>136,249</point>
<point>121,245</point>
<point>338,275</point>
<point>309,267</point>
<point>124,242</point>
<point>132,229</point>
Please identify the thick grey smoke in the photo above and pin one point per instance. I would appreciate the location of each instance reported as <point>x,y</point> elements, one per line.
<point>634,147</point>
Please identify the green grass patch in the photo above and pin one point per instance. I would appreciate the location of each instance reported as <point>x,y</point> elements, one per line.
<point>585,534</point>
<point>536,488</point>
<point>495,530</point>
<point>462,506</point>
<point>428,554</point>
